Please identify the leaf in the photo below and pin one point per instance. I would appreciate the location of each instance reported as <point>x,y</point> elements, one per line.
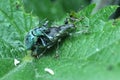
<point>101,16</point>
<point>15,23</point>
<point>91,56</point>
<point>87,11</point>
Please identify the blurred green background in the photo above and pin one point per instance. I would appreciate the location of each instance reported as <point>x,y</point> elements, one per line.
<point>53,9</point>
<point>57,9</point>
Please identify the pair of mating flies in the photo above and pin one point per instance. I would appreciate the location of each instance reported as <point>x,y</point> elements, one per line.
<point>39,39</point>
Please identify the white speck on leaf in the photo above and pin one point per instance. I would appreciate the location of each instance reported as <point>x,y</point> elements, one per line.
<point>16,62</point>
<point>50,71</point>
<point>97,49</point>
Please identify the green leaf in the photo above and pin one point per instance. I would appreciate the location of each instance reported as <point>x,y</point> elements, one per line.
<point>102,14</point>
<point>15,23</point>
<point>87,11</point>
<point>90,56</point>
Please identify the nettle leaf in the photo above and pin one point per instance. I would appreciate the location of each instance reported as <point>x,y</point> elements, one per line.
<point>87,11</point>
<point>88,55</point>
<point>15,23</point>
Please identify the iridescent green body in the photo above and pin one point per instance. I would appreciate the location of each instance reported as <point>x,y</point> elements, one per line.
<point>40,39</point>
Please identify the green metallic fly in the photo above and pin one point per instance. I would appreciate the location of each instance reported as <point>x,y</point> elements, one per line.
<point>39,39</point>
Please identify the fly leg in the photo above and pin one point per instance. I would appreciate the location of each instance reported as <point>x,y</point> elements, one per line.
<point>57,49</point>
<point>45,24</point>
<point>41,54</point>
<point>43,42</point>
